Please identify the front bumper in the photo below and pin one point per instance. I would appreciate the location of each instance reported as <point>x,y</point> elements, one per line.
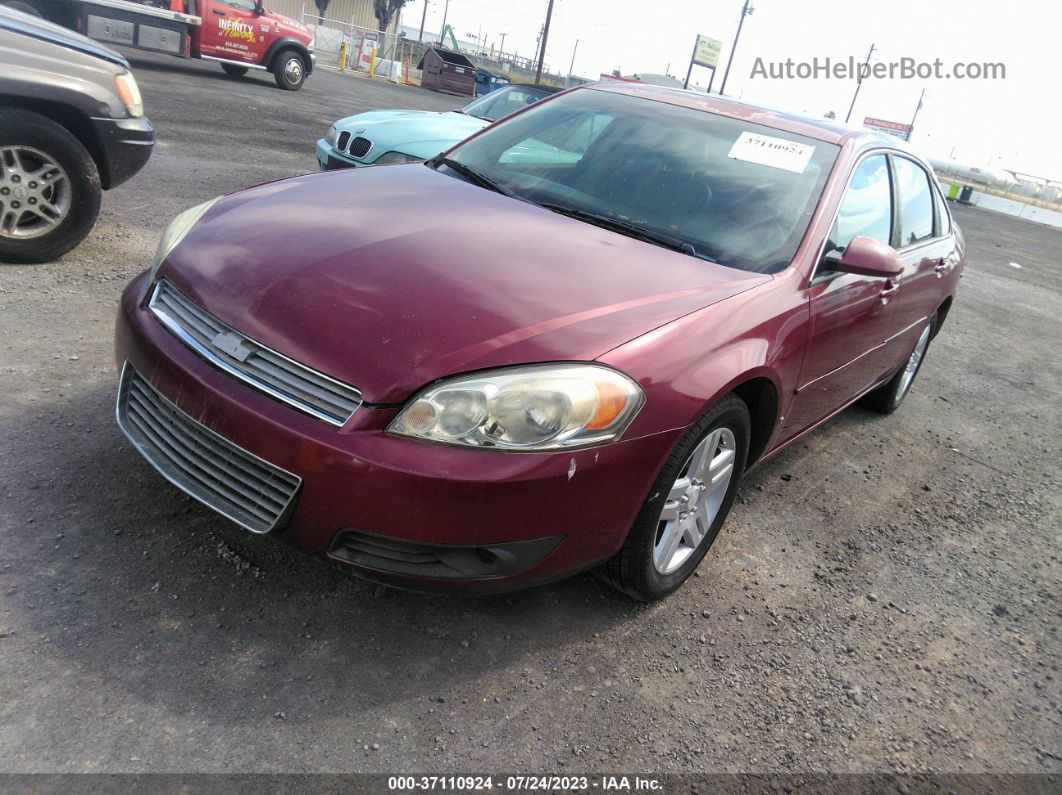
<point>126,145</point>
<point>329,158</point>
<point>415,499</point>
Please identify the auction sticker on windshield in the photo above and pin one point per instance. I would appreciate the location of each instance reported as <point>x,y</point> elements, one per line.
<point>774,152</point>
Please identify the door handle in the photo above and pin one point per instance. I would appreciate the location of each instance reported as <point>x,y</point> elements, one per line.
<point>219,13</point>
<point>942,266</point>
<point>889,290</point>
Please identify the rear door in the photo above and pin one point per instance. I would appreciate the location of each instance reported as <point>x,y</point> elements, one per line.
<point>851,316</point>
<point>927,251</point>
<point>232,30</point>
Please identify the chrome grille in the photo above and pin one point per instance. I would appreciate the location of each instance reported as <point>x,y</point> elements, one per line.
<point>360,147</point>
<point>234,482</point>
<point>343,140</point>
<point>278,376</point>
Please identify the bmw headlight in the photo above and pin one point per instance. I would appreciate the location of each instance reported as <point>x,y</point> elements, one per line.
<point>176,231</point>
<point>396,157</point>
<point>331,136</point>
<point>539,407</point>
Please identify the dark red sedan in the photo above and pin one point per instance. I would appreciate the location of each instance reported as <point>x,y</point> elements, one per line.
<point>553,348</point>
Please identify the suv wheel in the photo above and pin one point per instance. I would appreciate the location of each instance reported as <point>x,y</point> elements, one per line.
<point>289,70</point>
<point>49,189</point>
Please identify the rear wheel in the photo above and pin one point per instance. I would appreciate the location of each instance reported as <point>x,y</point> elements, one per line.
<point>232,70</point>
<point>888,397</point>
<point>49,189</point>
<point>289,70</point>
<point>686,506</point>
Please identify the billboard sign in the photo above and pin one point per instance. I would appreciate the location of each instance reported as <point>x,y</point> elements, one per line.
<point>893,128</point>
<point>706,51</point>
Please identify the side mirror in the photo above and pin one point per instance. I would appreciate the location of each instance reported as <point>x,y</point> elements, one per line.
<point>258,7</point>
<point>866,256</point>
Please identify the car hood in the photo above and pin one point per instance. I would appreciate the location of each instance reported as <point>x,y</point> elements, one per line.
<point>290,25</point>
<point>391,277</point>
<point>412,129</point>
<point>29,25</point>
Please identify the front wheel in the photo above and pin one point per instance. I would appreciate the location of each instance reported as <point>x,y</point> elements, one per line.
<point>289,70</point>
<point>232,70</point>
<point>49,189</point>
<point>686,506</point>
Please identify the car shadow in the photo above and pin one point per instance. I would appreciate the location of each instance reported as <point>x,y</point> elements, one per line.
<point>137,586</point>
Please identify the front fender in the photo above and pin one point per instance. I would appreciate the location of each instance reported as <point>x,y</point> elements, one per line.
<point>289,43</point>
<point>686,366</point>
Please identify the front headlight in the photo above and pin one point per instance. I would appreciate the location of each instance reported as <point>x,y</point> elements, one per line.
<point>331,136</point>
<point>129,92</point>
<point>539,407</point>
<point>396,157</point>
<point>176,231</point>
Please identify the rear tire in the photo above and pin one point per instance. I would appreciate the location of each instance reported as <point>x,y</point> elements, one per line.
<point>645,568</point>
<point>888,397</point>
<point>69,190</point>
<point>289,70</point>
<point>232,70</point>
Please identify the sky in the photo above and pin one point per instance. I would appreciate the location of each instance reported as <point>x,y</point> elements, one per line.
<point>1010,123</point>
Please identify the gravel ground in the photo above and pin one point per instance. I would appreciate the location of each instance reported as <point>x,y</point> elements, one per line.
<point>884,597</point>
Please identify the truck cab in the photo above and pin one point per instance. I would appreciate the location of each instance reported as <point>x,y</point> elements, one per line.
<point>239,34</point>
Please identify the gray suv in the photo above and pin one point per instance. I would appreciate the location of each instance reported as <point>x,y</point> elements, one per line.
<point>71,124</point>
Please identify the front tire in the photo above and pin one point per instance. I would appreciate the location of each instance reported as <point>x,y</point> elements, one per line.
<point>49,189</point>
<point>289,70</point>
<point>686,506</point>
<point>232,70</point>
<point>888,397</point>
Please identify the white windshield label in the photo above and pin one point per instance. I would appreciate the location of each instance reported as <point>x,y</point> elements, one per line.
<point>774,152</point>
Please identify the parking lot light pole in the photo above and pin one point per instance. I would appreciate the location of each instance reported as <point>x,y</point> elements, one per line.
<point>423,19</point>
<point>545,36</point>
<point>859,83</point>
<point>745,11</point>
<point>575,49</point>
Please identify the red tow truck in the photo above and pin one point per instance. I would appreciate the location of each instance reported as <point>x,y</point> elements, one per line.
<point>239,34</point>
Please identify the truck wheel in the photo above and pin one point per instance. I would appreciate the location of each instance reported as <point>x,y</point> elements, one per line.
<point>232,70</point>
<point>289,70</point>
<point>49,189</point>
<point>25,8</point>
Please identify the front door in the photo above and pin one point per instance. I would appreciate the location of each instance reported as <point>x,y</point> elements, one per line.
<point>851,316</point>
<point>233,30</point>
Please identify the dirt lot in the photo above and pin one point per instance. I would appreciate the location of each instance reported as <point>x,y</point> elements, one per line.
<point>885,596</point>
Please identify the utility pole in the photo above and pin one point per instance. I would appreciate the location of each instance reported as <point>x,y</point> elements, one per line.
<point>575,49</point>
<point>502,48</point>
<point>745,11</point>
<point>423,19</point>
<point>545,36</point>
<point>918,108</point>
<point>442,30</point>
<point>859,83</point>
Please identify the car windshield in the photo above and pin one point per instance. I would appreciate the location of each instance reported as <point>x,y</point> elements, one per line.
<point>504,101</point>
<point>719,188</point>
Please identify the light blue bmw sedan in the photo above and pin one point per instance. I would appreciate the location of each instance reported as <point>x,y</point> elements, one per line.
<point>401,136</point>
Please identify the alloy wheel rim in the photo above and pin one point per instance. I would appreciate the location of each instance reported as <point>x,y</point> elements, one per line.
<point>694,500</point>
<point>293,70</point>
<point>913,361</point>
<point>34,193</point>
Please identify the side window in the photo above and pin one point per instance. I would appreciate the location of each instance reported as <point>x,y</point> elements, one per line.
<point>866,209</point>
<point>243,5</point>
<point>943,221</point>
<point>916,201</point>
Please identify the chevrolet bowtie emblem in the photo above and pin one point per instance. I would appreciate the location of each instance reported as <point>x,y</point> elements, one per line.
<point>233,344</point>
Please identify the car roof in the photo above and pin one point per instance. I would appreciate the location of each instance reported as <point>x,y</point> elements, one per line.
<point>809,126</point>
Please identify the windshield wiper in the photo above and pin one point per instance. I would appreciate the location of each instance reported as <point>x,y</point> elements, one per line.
<point>471,174</point>
<point>628,228</point>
